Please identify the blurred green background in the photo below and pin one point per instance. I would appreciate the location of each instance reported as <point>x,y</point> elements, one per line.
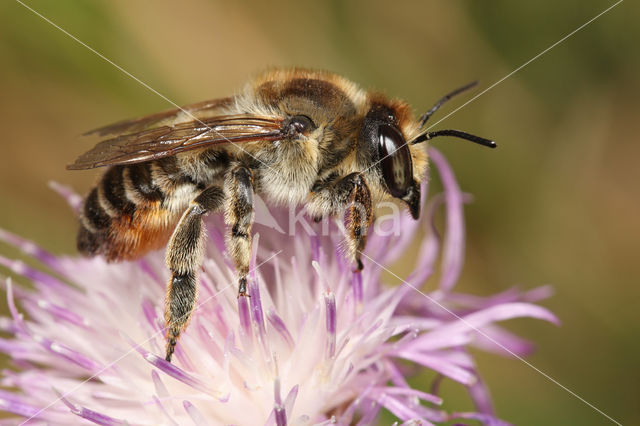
<point>557,203</point>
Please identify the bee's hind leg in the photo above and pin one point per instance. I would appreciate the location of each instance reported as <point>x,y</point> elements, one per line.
<point>184,257</point>
<point>239,219</point>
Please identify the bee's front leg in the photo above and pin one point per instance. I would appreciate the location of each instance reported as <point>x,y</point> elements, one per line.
<point>359,216</point>
<point>184,257</point>
<point>238,216</point>
<point>350,196</point>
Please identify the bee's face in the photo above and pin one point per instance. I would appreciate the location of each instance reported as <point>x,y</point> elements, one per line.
<point>398,165</point>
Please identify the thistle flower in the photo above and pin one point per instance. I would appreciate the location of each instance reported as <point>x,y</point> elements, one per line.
<point>314,344</point>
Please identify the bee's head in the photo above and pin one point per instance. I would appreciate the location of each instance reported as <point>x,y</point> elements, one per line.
<point>383,144</point>
<point>389,137</point>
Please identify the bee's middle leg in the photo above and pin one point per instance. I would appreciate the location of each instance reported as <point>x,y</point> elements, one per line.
<point>239,220</point>
<point>349,195</point>
<point>184,257</point>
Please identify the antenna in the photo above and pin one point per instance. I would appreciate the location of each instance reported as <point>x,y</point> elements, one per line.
<point>456,134</point>
<point>445,98</point>
<point>453,133</point>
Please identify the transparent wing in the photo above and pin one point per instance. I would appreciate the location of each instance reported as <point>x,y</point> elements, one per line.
<point>169,140</point>
<point>198,110</point>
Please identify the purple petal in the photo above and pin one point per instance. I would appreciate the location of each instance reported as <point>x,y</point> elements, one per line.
<point>474,321</point>
<point>486,419</point>
<point>30,248</point>
<point>58,312</point>
<point>539,293</point>
<point>161,389</point>
<point>481,397</point>
<point>402,391</point>
<point>13,403</point>
<point>396,375</point>
<point>67,353</point>
<point>92,416</point>
<point>18,319</point>
<point>356,284</point>
<point>453,252</point>
<point>280,327</point>
<point>429,249</point>
<point>276,392</point>
<point>179,374</point>
<point>315,247</point>
<point>144,265</point>
<point>149,311</point>
<point>507,296</point>
<point>330,323</point>
<point>73,199</point>
<point>428,342</point>
<point>348,414</point>
<point>135,346</point>
<point>195,414</point>
<point>280,415</point>
<point>398,408</point>
<point>245,323</point>
<point>438,364</point>
<point>32,274</point>
<point>394,251</point>
<point>164,411</point>
<point>275,416</point>
<point>257,316</point>
<point>290,400</point>
<point>221,323</point>
<point>404,323</point>
<point>217,238</point>
<point>255,243</point>
<point>370,412</point>
<point>500,341</point>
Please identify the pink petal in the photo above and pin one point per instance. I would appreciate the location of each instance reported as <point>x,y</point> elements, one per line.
<point>453,256</point>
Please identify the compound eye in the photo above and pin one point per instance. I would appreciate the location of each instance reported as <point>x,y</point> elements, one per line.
<point>300,124</point>
<point>397,168</point>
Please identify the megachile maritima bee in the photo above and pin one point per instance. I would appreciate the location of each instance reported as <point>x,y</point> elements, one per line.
<point>294,136</point>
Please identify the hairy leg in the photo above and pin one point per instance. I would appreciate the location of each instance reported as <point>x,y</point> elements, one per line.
<point>239,219</point>
<point>184,257</point>
<point>350,196</point>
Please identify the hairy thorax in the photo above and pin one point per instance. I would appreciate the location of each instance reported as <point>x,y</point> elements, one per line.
<point>287,172</point>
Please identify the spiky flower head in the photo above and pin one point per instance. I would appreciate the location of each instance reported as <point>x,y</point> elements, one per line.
<point>315,343</point>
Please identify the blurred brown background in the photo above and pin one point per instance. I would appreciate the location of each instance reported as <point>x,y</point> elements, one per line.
<point>557,203</point>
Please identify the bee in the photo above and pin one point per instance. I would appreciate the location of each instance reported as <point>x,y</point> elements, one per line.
<point>293,136</point>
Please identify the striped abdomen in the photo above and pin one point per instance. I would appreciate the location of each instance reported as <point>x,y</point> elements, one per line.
<point>134,208</point>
